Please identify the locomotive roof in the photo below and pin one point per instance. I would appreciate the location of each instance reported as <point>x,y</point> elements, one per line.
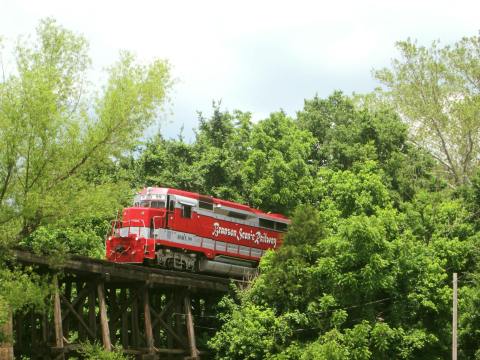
<point>197,196</point>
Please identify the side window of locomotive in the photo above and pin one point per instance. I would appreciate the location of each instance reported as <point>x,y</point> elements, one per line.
<point>205,205</point>
<point>281,226</point>
<point>268,224</point>
<point>186,211</point>
<point>237,215</point>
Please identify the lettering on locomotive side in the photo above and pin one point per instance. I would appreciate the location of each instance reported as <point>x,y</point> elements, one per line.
<point>256,237</point>
<point>220,230</point>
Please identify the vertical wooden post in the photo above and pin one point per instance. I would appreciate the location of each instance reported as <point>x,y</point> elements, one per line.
<point>45,328</point>
<point>171,323</point>
<point>92,317</point>
<point>6,348</point>
<point>124,334</point>
<point>454,319</point>
<point>57,317</point>
<point>112,301</point>
<point>148,321</point>
<point>194,355</point>
<point>178,313</point>
<point>68,296</point>
<point>18,324</point>
<point>82,335</point>
<point>170,345</point>
<point>33,332</point>
<point>156,303</point>
<point>134,318</point>
<point>107,344</point>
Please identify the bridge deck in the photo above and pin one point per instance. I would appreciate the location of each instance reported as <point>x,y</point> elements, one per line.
<point>128,273</point>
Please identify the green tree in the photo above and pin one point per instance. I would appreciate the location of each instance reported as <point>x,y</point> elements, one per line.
<point>221,145</point>
<point>54,130</point>
<point>469,320</point>
<point>346,133</point>
<point>436,90</point>
<point>251,332</point>
<point>210,165</point>
<point>168,162</point>
<point>277,171</point>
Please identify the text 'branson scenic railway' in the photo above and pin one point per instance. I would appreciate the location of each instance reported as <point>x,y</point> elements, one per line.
<point>257,237</point>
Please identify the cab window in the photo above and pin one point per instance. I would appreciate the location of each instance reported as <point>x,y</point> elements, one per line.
<point>186,211</point>
<point>158,204</point>
<point>151,204</point>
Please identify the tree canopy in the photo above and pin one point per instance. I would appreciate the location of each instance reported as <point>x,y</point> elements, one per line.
<point>436,90</point>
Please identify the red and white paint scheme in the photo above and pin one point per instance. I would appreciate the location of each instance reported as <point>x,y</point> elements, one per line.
<point>188,231</point>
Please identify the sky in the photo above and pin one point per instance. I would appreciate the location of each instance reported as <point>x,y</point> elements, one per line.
<point>257,56</point>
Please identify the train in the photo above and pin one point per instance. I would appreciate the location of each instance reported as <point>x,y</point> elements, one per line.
<point>182,230</point>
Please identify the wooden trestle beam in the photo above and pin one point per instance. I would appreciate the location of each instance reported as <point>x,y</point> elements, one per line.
<point>57,318</point>
<point>6,347</point>
<point>150,313</point>
<point>194,354</point>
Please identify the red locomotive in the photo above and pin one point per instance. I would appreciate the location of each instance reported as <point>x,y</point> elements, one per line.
<point>183,230</point>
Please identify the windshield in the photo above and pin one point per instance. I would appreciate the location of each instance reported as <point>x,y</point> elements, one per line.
<point>151,204</point>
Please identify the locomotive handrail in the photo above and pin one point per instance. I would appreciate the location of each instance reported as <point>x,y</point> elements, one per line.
<point>128,224</point>
<point>114,223</point>
<point>140,221</point>
<point>162,217</point>
<point>162,225</point>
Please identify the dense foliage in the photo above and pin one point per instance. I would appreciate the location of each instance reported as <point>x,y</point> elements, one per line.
<point>365,269</point>
<point>95,351</point>
<point>377,227</point>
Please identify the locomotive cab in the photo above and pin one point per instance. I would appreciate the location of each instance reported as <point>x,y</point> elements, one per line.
<point>129,240</point>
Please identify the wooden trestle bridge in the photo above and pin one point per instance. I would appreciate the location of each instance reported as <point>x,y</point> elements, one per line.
<point>152,313</point>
